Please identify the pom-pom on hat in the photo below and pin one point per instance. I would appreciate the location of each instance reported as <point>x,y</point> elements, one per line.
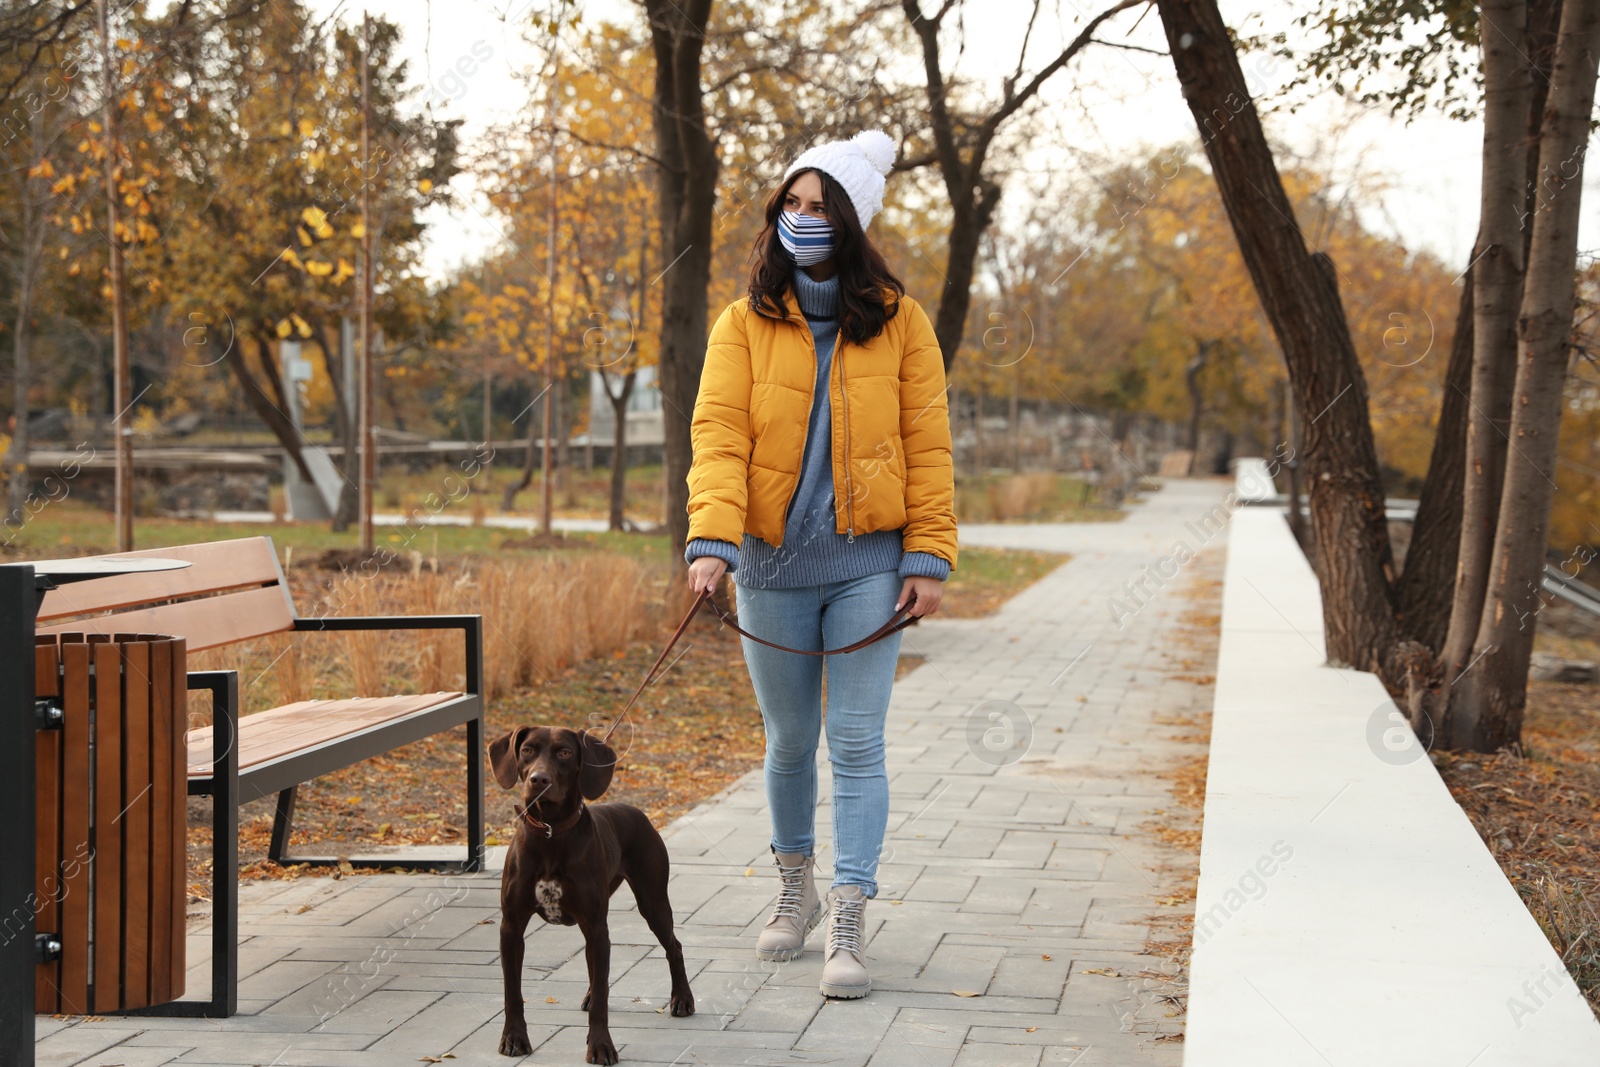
<point>858,165</point>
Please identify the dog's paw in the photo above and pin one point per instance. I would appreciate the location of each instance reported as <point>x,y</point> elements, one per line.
<point>601,1050</point>
<point>682,1003</point>
<point>515,1043</point>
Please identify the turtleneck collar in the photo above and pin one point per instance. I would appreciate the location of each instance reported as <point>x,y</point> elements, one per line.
<point>818,300</point>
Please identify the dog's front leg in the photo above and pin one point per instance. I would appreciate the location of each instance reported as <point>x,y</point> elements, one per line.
<point>514,1036</point>
<point>597,951</point>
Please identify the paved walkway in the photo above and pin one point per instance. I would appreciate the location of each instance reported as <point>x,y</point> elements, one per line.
<point>1013,894</point>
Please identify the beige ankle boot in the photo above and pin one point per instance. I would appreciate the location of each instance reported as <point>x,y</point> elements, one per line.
<point>798,909</point>
<point>844,968</point>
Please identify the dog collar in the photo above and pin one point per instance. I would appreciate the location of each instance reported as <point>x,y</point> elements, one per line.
<point>545,828</point>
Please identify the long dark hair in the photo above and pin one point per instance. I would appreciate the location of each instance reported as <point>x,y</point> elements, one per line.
<point>864,277</point>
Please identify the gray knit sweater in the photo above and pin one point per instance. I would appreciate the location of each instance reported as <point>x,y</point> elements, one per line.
<point>812,553</point>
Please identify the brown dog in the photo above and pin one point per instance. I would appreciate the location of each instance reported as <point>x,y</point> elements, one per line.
<point>566,861</point>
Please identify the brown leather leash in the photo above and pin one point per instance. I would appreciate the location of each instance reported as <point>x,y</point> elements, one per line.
<point>894,625</point>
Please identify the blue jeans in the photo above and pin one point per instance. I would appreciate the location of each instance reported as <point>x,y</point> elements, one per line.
<point>789,689</point>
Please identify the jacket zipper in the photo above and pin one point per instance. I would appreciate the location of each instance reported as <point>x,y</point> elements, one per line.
<point>849,497</point>
<point>849,503</point>
<point>805,438</point>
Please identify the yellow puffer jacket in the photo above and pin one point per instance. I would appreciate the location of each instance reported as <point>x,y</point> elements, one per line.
<point>890,419</point>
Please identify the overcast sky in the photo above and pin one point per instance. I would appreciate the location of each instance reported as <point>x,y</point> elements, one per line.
<point>1112,103</point>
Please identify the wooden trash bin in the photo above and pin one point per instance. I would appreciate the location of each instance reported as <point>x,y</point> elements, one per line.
<point>112,788</point>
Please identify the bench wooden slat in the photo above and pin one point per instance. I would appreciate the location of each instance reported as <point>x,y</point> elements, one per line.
<point>216,566</point>
<point>293,727</point>
<point>107,807</point>
<point>208,623</point>
<point>268,735</point>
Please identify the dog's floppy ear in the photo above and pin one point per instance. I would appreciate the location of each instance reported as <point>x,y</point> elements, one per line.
<point>503,756</point>
<point>599,760</point>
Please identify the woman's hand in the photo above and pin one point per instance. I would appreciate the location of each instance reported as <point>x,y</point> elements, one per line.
<point>929,591</point>
<point>705,572</point>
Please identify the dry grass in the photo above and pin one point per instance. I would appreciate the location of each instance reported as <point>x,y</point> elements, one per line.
<point>541,615</point>
<point>1029,496</point>
<point>1192,654</point>
<point>1020,495</point>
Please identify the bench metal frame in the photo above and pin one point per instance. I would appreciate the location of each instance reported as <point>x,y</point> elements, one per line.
<point>284,775</point>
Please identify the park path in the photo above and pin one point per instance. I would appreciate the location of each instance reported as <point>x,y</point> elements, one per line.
<point>1014,893</point>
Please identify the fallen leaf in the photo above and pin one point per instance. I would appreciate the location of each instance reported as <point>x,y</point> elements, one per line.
<point>1031,1029</point>
<point>748,871</point>
<point>302,909</point>
<point>1107,971</point>
<point>551,1000</point>
<point>1043,956</point>
<point>966,993</point>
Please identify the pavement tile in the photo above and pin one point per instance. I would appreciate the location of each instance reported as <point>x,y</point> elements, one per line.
<point>983,1054</point>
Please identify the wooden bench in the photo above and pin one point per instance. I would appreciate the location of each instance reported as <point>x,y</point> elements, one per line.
<point>235,591</point>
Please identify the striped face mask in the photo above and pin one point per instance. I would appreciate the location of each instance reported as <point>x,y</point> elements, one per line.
<point>806,238</point>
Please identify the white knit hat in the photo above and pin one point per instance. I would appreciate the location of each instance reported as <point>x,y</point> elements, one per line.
<point>858,165</point>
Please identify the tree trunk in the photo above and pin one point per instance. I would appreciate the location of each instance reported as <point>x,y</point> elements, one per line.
<point>18,483</point>
<point>1297,517</point>
<point>1428,579</point>
<point>1497,291</point>
<point>269,409</point>
<point>619,403</point>
<point>1486,704</point>
<point>121,372</point>
<point>967,225</point>
<point>977,432</point>
<point>1012,419</point>
<point>687,175</point>
<point>1191,378</point>
<point>33,198</point>
<point>1298,292</point>
<point>1518,63</point>
<point>346,509</point>
<point>535,424</point>
<point>588,443</point>
<point>563,431</point>
<point>28,254</point>
<point>619,448</point>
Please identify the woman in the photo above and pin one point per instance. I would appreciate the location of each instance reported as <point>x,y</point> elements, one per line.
<point>822,481</point>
